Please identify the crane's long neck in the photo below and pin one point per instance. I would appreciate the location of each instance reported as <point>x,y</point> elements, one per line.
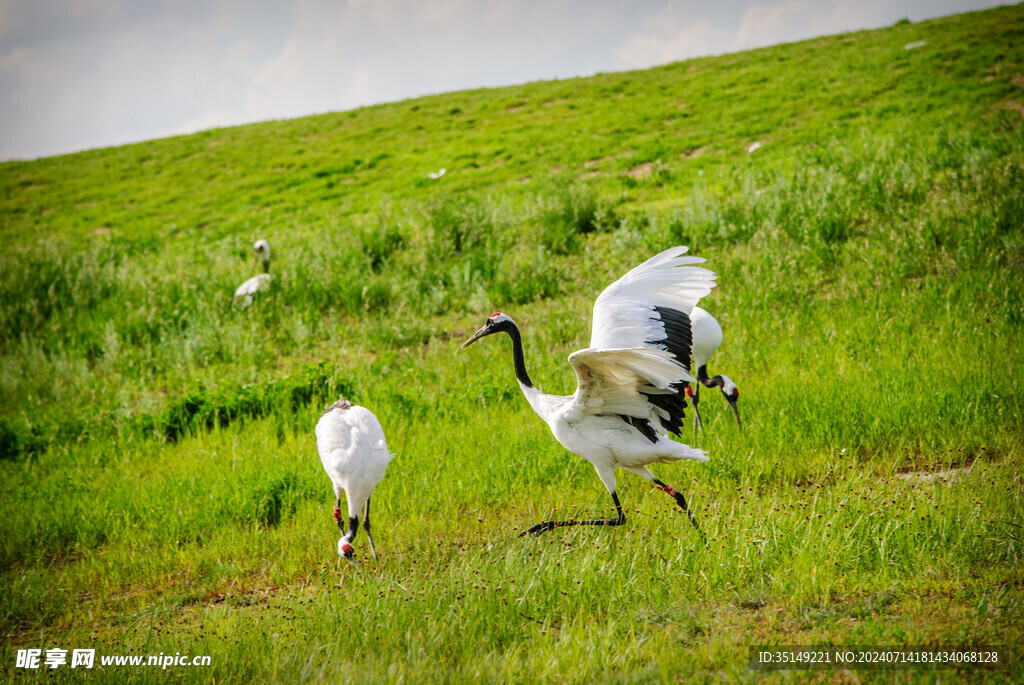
<point>517,357</point>
<point>266,265</point>
<point>702,376</point>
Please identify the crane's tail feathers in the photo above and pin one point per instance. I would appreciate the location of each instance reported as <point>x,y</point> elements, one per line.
<point>680,451</point>
<point>697,455</point>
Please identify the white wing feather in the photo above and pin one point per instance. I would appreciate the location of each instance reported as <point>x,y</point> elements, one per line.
<point>254,285</point>
<point>612,381</point>
<point>625,364</point>
<point>623,311</point>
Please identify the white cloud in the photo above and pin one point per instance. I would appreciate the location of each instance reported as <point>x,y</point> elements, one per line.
<point>782,22</point>
<point>16,60</point>
<point>422,13</point>
<point>682,31</point>
<point>671,38</point>
<point>794,20</point>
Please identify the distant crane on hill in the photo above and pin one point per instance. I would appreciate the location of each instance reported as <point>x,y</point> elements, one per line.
<point>245,292</point>
<point>630,379</point>
<point>355,456</point>
<point>707,338</point>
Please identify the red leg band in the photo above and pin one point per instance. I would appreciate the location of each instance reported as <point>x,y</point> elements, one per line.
<point>337,512</point>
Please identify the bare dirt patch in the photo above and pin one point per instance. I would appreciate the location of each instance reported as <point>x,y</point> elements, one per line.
<point>924,477</point>
<point>642,171</point>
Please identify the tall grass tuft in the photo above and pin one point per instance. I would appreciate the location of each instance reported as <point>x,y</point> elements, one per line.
<point>566,212</point>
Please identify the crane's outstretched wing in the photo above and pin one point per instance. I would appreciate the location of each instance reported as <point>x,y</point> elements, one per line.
<point>637,384</point>
<point>630,312</point>
<point>640,344</point>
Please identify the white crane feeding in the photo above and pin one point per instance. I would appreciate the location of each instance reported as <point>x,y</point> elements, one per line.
<point>707,338</point>
<point>245,292</point>
<point>355,456</point>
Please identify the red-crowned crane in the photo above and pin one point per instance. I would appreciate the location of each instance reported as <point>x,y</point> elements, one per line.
<point>707,338</point>
<point>258,282</point>
<point>630,378</point>
<point>355,456</point>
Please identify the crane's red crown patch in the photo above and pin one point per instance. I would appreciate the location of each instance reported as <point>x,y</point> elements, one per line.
<point>494,315</point>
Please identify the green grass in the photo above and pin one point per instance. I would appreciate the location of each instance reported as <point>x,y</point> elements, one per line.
<point>158,473</point>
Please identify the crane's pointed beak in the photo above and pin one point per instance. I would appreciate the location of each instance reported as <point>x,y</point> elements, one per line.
<point>484,330</point>
<point>733,404</point>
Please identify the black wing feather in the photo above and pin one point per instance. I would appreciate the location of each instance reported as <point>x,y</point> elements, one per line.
<point>678,334</point>
<point>678,341</point>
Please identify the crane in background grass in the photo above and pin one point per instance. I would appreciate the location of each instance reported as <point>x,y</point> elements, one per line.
<point>707,338</point>
<point>630,379</point>
<point>258,282</point>
<point>355,456</point>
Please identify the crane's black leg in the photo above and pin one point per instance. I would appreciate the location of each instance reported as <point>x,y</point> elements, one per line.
<point>366,527</point>
<point>344,545</point>
<point>681,501</point>
<point>694,396</point>
<point>548,525</point>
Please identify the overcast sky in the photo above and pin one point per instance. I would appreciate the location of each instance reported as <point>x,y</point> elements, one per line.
<point>79,74</point>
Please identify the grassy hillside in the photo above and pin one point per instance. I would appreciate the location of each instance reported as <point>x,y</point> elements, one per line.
<point>159,480</point>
